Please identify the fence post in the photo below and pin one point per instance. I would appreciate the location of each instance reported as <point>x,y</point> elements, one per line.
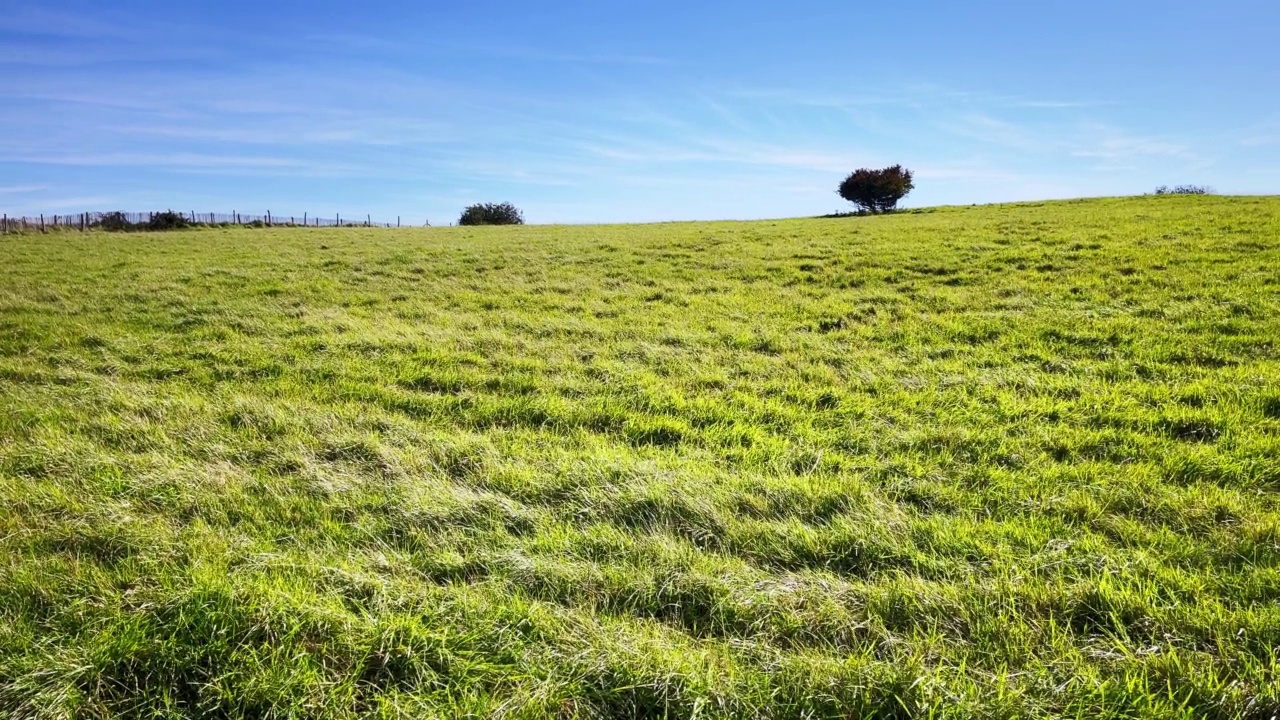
<point>268,218</point>
<point>41,222</point>
<point>304,218</point>
<point>4,227</point>
<point>337,219</point>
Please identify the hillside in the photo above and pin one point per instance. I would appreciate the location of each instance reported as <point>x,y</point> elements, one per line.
<point>1004,461</point>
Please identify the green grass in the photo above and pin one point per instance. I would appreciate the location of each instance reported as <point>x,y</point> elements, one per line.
<point>1008,461</point>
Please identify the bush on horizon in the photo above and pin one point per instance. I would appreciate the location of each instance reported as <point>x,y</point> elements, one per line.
<point>491,214</point>
<point>1184,190</point>
<point>876,191</point>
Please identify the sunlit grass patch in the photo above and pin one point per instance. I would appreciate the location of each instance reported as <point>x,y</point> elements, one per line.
<point>1011,461</point>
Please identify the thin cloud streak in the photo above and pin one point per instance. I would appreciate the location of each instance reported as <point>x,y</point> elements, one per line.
<point>39,21</point>
<point>86,203</point>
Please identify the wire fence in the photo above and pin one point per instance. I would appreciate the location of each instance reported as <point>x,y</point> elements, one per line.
<point>172,220</point>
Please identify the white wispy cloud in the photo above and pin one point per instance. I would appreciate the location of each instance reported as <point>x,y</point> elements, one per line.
<point>43,21</point>
<point>1260,140</point>
<point>729,153</point>
<point>1055,104</point>
<point>165,159</point>
<point>56,204</point>
<point>1261,134</point>
<point>188,162</point>
<point>991,130</point>
<point>287,131</point>
<point>366,45</point>
<point>1109,143</point>
<point>531,55</point>
<point>965,173</point>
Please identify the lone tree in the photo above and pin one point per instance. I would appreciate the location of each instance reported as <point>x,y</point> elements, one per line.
<point>491,214</point>
<point>876,191</point>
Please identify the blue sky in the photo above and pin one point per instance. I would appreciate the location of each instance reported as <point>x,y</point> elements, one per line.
<point>620,110</point>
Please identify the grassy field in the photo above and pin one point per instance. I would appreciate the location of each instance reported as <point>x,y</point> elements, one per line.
<point>1006,461</point>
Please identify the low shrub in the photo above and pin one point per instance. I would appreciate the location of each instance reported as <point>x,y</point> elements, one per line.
<point>160,221</point>
<point>1184,190</point>
<point>167,220</point>
<point>114,222</point>
<point>491,214</point>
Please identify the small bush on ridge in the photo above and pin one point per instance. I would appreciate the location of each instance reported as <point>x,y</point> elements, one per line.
<point>1184,190</point>
<point>491,214</point>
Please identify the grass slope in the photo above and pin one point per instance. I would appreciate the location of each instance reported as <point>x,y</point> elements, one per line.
<point>1008,461</point>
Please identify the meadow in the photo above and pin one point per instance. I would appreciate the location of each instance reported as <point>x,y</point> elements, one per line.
<point>1005,461</point>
